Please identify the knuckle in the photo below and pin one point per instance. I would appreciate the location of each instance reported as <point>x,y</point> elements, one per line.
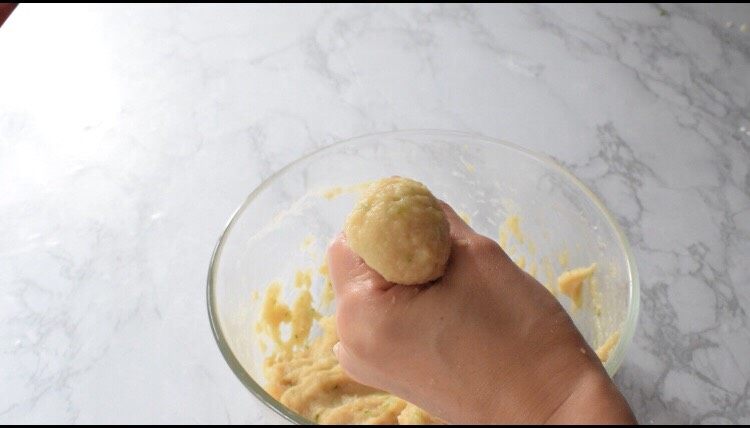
<point>483,244</point>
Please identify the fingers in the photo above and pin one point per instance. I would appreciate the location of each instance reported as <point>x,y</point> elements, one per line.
<point>459,229</point>
<point>352,365</point>
<point>348,270</point>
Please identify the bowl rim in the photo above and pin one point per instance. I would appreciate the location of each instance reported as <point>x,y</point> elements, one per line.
<point>613,363</point>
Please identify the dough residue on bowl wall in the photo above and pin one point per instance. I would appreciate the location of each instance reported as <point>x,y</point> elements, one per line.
<point>570,283</point>
<point>603,351</point>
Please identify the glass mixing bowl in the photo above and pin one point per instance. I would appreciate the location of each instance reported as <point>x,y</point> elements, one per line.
<point>271,234</point>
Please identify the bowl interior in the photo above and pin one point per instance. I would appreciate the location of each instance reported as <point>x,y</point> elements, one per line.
<point>286,224</point>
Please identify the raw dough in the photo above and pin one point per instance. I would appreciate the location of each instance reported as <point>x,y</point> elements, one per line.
<point>570,283</point>
<point>305,376</point>
<point>400,231</point>
<point>603,351</point>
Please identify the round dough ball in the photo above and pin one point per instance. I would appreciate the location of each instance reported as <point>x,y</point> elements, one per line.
<point>400,231</point>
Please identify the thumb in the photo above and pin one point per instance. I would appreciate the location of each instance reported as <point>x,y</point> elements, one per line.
<point>348,270</point>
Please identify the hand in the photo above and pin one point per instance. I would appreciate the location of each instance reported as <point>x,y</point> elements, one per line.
<point>485,343</point>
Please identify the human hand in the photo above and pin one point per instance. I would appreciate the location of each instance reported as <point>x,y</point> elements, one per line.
<point>484,343</point>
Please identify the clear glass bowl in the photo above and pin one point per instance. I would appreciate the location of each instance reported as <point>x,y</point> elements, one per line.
<point>485,178</point>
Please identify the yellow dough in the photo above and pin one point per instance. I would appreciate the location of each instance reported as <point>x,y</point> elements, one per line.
<point>570,283</point>
<point>304,375</point>
<point>603,351</point>
<point>400,231</point>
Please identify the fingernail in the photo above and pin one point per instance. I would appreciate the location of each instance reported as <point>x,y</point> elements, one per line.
<point>336,349</point>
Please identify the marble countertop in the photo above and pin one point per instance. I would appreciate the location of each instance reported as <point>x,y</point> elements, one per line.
<point>129,134</point>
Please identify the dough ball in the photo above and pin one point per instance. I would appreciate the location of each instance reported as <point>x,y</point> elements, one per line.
<point>400,231</point>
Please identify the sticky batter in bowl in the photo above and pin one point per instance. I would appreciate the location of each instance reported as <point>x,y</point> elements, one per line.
<point>305,376</point>
<point>302,372</point>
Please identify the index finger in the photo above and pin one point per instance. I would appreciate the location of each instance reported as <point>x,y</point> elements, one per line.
<point>348,270</point>
<point>459,230</point>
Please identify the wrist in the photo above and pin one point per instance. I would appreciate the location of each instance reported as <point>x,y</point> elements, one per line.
<point>566,383</point>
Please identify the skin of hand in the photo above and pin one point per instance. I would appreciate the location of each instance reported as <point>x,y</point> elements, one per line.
<point>485,343</point>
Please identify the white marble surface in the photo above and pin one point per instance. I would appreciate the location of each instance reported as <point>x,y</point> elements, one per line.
<point>128,135</point>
